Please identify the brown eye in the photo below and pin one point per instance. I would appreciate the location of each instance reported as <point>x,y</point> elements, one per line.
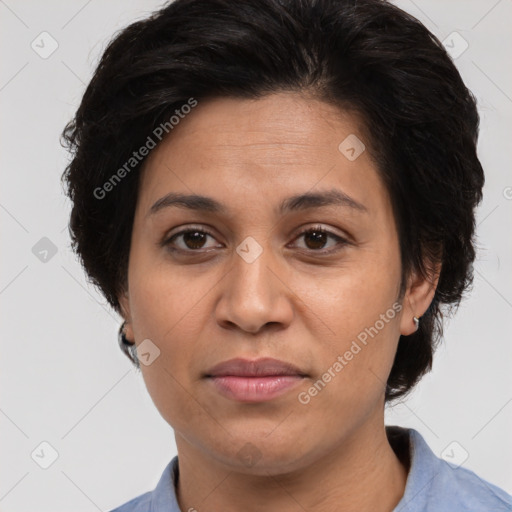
<point>194,239</point>
<point>189,240</point>
<point>317,238</point>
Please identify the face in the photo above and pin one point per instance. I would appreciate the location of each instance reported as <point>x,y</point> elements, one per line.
<point>253,274</point>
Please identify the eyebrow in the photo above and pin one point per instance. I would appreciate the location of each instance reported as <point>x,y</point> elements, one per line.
<point>332,197</point>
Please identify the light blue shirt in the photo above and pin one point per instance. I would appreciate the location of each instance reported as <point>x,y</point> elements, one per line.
<point>433,485</point>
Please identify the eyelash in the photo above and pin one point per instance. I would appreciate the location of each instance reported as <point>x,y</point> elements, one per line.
<point>342,242</point>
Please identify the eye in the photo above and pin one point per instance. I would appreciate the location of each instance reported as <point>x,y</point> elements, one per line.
<point>195,240</point>
<point>316,239</point>
<point>189,240</point>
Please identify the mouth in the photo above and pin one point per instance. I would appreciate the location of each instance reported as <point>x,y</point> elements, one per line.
<point>260,380</point>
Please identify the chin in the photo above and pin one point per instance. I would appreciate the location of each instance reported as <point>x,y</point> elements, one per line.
<point>261,455</point>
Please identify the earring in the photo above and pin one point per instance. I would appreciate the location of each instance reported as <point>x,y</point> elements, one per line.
<point>416,322</point>
<point>127,347</point>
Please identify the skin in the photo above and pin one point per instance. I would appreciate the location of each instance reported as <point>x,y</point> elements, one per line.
<point>291,303</point>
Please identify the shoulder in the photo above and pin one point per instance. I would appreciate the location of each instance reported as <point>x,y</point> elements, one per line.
<point>434,484</point>
<point>462,488</point>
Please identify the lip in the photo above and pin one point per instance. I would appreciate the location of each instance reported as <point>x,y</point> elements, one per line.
<point>258,380</point>
<point>264,367</point>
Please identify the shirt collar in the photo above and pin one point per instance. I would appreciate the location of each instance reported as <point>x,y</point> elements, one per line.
<point>424,466</point>
<point>164,495</point>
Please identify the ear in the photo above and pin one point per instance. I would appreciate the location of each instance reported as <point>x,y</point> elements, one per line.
<point>124,302</point>
<point>418,296</point>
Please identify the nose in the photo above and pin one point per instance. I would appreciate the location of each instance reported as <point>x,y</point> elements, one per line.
<point>254,295</point>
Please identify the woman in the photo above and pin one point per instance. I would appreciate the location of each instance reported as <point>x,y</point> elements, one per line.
<point>278,197</point>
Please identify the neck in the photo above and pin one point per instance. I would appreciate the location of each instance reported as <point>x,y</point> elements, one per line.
<point>362,473</point>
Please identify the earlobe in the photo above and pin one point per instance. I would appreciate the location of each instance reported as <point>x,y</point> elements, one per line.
<point>418,296</point>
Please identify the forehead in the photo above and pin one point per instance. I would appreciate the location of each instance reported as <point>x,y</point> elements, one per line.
<point>253,150</point>
<point>276,121</point>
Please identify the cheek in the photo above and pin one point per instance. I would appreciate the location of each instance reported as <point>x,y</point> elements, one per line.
<point>164,309</point>
<point>353,369</point>
<point>352,297</point>
<point>359,313</point>
<point>167,316</point>
<point>172,395</point>
<point>164,299</point>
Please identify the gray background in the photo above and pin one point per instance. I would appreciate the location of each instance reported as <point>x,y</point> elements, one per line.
<point>63,379</point>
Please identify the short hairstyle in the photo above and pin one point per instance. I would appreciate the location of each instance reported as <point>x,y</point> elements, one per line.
<point>367,56</point>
